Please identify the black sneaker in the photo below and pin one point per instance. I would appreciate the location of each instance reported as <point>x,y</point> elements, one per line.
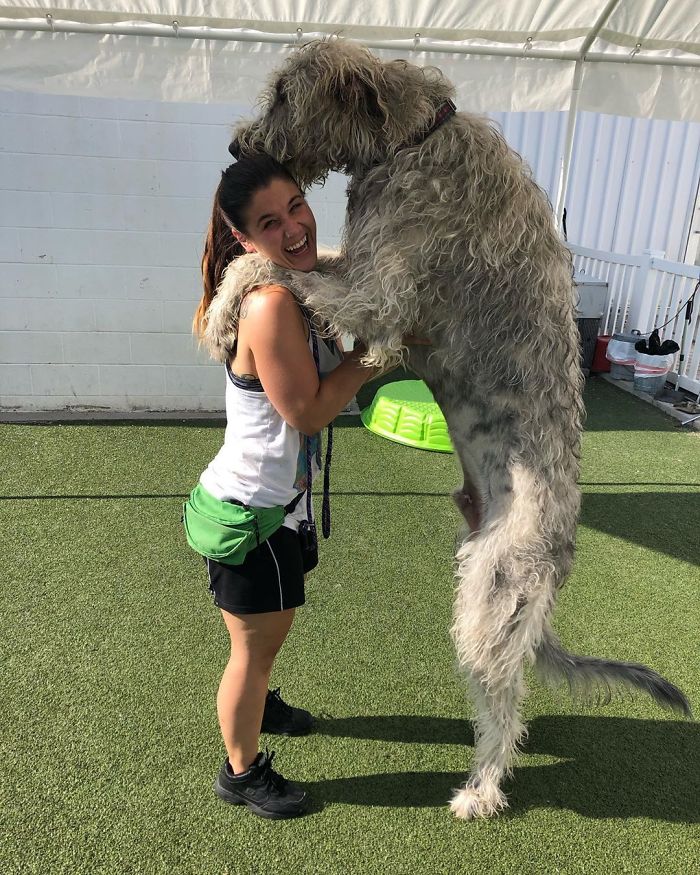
<point>261,789</point>
<point>281,719</point>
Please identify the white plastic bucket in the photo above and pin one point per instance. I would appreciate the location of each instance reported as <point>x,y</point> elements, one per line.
<point>622,355</point>
<point>650,372</point>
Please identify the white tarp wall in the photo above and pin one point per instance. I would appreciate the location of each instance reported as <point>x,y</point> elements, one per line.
<point>652,37</point>
<point>112,146</point>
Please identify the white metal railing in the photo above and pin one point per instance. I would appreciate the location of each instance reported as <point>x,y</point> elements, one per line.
<point>645,292</point>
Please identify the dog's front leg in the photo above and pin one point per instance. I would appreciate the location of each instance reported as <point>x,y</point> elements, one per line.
<point>335,304</point>
<point>384,271</point>
<point>357,297</point>
<point>324,293</point>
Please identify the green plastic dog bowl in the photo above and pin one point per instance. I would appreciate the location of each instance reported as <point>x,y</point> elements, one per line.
<point>407,413</point>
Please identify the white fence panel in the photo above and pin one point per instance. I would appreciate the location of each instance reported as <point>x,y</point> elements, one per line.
<point>619,272</point>
<point>679,317</point>
<point>647,292</point>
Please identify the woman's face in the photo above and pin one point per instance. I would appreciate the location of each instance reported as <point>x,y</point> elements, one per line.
<point>279,224</point>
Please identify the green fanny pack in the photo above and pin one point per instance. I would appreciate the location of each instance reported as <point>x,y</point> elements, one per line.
<point>227,531</point>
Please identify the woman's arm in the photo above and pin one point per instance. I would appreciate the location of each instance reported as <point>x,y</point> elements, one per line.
<point>274,330</point>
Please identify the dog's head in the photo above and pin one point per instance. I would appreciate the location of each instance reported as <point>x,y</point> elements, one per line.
<point>336,106</point>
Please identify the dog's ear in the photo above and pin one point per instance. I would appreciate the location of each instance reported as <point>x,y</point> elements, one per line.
<point>280,94</point>
<point>358,92</point>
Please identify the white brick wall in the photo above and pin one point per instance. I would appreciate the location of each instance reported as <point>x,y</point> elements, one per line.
<point>104,205</point>
<point>103,209</point>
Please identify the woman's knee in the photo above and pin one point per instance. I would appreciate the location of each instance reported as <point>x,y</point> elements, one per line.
<point>258,638</point>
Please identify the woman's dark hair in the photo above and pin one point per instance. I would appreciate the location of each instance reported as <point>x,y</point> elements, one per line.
<point>239,182</point>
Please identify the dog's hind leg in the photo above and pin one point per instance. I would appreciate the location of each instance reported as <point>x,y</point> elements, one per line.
<point>498,731</point>
<point>504,593</point>
<point>496,683</point>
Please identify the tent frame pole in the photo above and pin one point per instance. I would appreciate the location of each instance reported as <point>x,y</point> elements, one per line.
<point>51,24</point>
<point>563,187</point>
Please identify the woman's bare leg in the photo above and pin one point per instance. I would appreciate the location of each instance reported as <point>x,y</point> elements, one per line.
<point>255,641</point>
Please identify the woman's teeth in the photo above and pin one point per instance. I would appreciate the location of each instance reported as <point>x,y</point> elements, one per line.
<point>299,245</point>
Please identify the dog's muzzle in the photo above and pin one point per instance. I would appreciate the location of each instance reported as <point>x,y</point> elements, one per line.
<point>235,149</point>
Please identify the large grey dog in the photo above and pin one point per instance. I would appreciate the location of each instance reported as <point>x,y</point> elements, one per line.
<point>448,238</point>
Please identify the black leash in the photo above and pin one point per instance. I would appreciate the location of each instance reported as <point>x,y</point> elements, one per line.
<point>688,304</point>
<point>326,504</point>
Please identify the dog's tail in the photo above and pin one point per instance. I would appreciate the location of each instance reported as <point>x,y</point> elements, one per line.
<point>589,677</point>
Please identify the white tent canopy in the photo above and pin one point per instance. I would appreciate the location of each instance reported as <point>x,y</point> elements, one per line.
<point>626,57</point>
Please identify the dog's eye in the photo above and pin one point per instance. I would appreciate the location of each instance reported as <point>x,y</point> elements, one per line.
<point>279,89</point>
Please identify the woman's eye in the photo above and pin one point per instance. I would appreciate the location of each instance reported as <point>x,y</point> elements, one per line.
<point>270,224</point>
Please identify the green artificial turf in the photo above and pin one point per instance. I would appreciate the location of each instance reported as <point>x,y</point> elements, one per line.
<point>111,654</point>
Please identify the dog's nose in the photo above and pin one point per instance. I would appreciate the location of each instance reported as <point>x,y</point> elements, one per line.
<point>235,149</point>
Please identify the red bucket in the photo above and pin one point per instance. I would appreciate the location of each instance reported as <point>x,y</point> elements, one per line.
<point>600,364</point>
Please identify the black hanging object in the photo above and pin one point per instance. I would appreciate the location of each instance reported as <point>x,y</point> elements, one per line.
<point>654,343</point>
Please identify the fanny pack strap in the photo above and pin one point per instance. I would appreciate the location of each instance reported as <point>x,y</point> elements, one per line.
<point>326,505</point>
<point>288,508</point>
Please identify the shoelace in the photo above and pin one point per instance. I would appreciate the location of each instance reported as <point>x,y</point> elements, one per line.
<point>268,774</point>
<point>279,701</point>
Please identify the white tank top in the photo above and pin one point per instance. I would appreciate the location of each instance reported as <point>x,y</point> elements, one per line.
<point>263,460</point>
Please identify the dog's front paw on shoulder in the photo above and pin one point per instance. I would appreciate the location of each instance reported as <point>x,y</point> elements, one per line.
<point>477,801</point>
<point>382,353</point>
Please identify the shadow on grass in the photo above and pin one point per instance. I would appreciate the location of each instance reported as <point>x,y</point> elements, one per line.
<point>95,496</point>
<point>612,767</point>
<point>139,420</point>
<point>660,521</point>
<point>400,727</point>
<point>609,408</point>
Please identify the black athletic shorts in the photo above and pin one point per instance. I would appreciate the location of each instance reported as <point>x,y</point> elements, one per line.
<point>270,579</point>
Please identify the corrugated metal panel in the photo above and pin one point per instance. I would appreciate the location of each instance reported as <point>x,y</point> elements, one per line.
<point>539,138</point>
<point>633,181</point>
<point>633,184</point>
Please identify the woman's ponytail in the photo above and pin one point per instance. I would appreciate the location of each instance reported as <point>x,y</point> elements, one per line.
<point>220,249</point>
<point>239,182</point>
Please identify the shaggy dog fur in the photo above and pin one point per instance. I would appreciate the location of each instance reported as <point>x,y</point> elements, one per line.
<point>449,238</point>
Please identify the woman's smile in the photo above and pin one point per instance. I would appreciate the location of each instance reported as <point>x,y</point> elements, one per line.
<point>301,246</point>
<point>281,226</point>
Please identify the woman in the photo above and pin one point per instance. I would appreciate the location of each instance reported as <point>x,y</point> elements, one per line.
<point>276,399</point>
